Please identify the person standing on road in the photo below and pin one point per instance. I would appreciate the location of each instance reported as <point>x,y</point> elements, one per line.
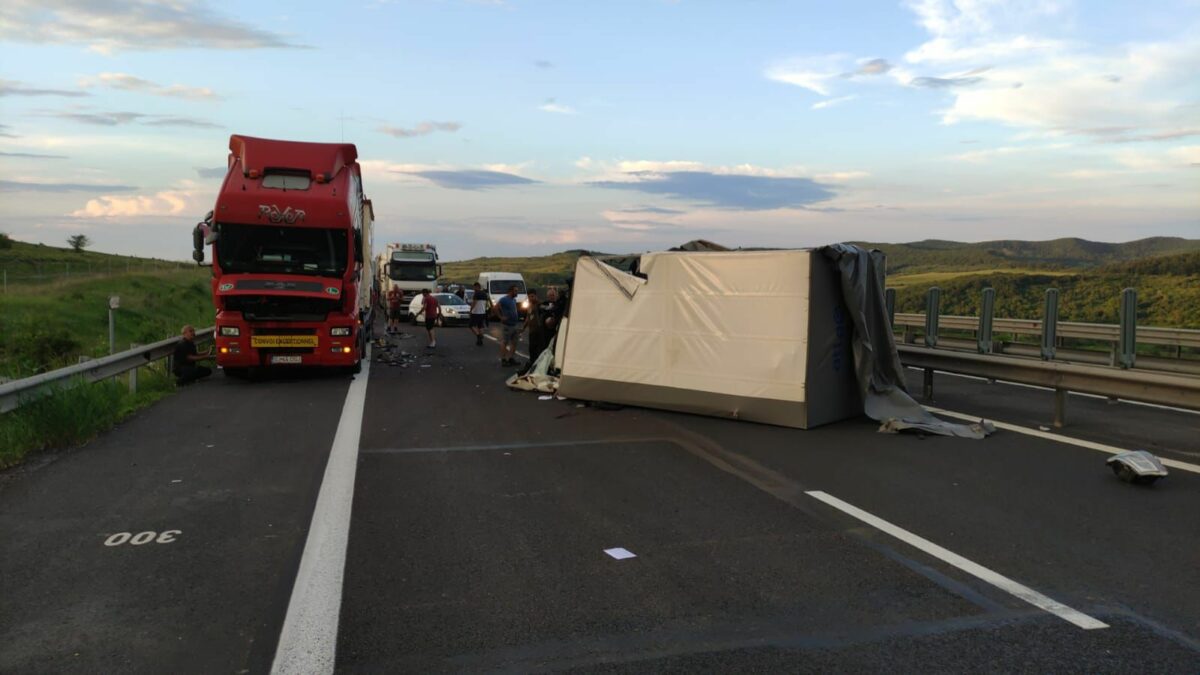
<point>394,298</point>
<point>479,310</point>
<point>553,310</point>
<point>535,323</point>
<point>431,308</point>
<point>510,332</point>
<point>185,359</point>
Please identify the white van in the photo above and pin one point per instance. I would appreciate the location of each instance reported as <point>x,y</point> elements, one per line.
<point>498,283</point>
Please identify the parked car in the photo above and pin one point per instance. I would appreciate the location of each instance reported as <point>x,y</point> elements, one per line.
<point>454,309</point>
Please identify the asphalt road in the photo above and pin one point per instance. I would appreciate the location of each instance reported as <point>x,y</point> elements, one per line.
<point>481,517</point>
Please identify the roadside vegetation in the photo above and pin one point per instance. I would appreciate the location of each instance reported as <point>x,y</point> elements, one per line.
<point>50,325</point>
<point>73,416</point>
<point>49,320</point>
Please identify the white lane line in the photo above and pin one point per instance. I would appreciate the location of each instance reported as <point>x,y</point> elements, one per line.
<point>496,340</point>
<point>308,641</point>
<point>1072,393</point>
<point>1091,445</point>
<point>996,579</point>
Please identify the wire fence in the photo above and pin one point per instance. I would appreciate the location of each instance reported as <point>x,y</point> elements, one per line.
<point>25,273</point>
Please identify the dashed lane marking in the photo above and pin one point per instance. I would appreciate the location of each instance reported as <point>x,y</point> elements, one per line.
<point>1091,445</point>
<point>996,579</point>
<point>493,339</point>
<point>308,641</point>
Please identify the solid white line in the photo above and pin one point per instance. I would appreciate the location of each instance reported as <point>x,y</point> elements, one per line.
<point>496,340</point>
<point>308,641</point>
<point>1091,445</point>
<point>1000,581</point>
<point>1072,393</point>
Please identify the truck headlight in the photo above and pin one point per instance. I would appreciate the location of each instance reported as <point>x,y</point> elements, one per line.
<point>340,331</point>
<point>230,331</point>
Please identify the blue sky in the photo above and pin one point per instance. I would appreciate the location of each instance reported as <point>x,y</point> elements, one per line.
<point>519,127</point>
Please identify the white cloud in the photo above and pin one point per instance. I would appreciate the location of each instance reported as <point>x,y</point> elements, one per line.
<point>551,106</point>
<point>1023,78</point>
<point>107,27</point>
<point>186,198</point>
<point>813,73</point>
<point>830,102</point>
<point>841,176</point>
<point>126,82</point>
<point>422,129</point>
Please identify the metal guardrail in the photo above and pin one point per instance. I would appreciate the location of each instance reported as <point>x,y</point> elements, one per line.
<point>1101,332</point>
<point>14,394</point>
<point>1159,388</point>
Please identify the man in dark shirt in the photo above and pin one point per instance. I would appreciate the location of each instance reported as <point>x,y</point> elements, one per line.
<point>479,310</point>
<point>535,323</point>
<point>186,357</point>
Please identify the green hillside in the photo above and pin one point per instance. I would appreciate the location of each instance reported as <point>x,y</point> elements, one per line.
<point>49,319</point>
<point>1168,292</point>
<point>538,271</point>
<point>21,258</point>
<point>1057,254</point>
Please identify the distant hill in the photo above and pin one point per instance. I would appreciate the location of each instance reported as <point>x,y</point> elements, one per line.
<point>934,255</point>
<point>25,257</point>
<point>929,256</point>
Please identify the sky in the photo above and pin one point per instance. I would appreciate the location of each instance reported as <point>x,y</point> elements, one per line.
<point>515,127</point>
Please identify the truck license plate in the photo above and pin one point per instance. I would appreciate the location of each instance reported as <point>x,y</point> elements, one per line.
<point>286,358</point>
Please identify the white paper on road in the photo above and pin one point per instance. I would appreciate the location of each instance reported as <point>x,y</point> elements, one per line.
<point>620,553</point>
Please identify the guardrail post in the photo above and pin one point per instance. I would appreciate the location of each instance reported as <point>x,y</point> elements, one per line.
<point>933,299</point>
<point>927,388</point>
<point>889,299</point>
<point>1128,341</point>
<point>133,373</point>
<point>1060,408</point>
<point>987,307</point>
<point>1050,325</point>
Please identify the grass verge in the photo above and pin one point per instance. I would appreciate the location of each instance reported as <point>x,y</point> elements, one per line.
<point>73,416</point>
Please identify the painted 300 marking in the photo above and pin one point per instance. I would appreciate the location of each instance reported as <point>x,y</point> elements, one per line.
<point>165,537</point>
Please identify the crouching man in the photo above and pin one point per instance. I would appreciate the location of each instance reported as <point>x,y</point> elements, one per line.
<point>186,357</point>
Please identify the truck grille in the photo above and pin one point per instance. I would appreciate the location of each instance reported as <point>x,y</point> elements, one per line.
<point>281,308</point>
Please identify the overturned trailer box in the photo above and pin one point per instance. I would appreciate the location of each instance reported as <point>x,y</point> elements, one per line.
<point>762,336</point>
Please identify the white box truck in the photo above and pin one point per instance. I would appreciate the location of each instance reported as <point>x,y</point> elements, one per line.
<point>410,268</point>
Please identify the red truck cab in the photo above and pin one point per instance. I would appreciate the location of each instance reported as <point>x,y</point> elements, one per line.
<point>290,237</point>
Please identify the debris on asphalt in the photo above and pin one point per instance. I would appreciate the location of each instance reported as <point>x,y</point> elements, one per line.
<point>547,397</point>
<point>1137,466</point>
<point>620,553</point>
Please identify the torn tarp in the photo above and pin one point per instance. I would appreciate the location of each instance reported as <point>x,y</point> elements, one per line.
<point>877,364</point>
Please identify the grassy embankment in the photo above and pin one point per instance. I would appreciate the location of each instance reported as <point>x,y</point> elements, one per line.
<point>51,324</point>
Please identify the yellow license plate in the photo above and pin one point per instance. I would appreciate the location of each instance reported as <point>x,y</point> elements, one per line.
<point>259,341</point>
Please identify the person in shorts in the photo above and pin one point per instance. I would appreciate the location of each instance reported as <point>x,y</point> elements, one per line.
<point>479,310</point>
<point>510,322</point>
<point>394,297</point>
<point>432,309</point>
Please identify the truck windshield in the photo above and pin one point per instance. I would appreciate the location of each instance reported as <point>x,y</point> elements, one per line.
<point>412,271</point>
<point>499,288</point>
<point>286,250</point>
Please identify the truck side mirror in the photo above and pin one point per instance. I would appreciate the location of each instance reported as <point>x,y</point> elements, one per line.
<point>198,243</point>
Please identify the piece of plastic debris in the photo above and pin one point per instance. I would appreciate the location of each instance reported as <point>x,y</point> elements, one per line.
<point>1137,466</point>
<point>547,397</point>
<point>620,553</point>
